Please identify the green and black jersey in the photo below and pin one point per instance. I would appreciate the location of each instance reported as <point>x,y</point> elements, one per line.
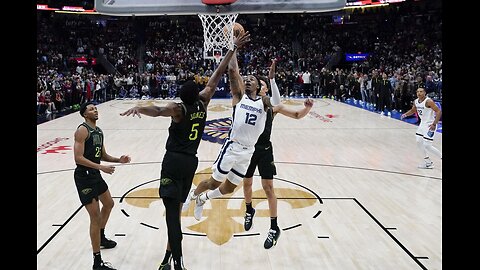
<point>93,145</point>
<point>264,139</point>
<point>185,136</point>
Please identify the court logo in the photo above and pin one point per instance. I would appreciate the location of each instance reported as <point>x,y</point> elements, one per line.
<point>57,150</point>
<point>220,220</point>
<point>327,118</point>
<point>50,143</point>
<point>216,131</point>
<point>219,107</point>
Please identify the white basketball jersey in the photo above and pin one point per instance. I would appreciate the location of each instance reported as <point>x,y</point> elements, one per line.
<point>248,121</point>
<point>427,115</point>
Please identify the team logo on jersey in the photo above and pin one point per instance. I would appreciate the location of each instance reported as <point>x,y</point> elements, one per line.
<point>216,131</point>
<point>223,218</point>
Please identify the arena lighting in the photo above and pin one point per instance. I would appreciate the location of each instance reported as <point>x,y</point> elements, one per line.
<point>86,12</point>
<point>67,9</point>
<point>366,6</point>
<point>76,10</point>
<point>45,7</point>
<point>363,3</point>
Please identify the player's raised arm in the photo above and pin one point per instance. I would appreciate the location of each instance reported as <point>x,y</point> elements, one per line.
<point>207,93</point>
<point>275,100</point>
<point>171,109</point>
<point>237,85</point>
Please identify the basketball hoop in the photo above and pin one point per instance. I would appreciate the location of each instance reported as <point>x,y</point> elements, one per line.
<point>217,34</point>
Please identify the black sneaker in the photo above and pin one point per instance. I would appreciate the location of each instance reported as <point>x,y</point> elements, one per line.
<point>107,243</point>
<point>247,224</point>
<point>104,266</point>
<point>166,266</point>
<point>272,238</point>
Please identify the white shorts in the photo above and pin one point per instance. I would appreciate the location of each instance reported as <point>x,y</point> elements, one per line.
<point>232,162</point>
<point>423,131</point>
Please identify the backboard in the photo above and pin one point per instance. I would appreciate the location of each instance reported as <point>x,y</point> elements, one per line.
<point>192,7</point>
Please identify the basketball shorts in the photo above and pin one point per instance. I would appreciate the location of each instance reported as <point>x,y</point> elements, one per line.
<point>425,132</point>
<point>232,162</point>
<point>263,158</point>
<point>178,170</point>
<point>90,184</point>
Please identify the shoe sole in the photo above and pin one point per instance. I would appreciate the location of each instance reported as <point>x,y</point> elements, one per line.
<point>107,247</point>
<point>104,247</point>
<point>198,219</point>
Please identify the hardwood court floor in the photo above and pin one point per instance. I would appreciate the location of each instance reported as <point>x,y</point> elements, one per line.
<point>350,195</point>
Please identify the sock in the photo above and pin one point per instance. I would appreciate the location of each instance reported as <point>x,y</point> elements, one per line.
<point>97,258</point>
<point>168,253</point>
<point>427,160</point>
<point>430,148</point>
<point>211,194</point>
<point>249,207</point>
<point>102,233</point>
<point>273,223</point>
<point>421,147</point>
<point>178,264</point>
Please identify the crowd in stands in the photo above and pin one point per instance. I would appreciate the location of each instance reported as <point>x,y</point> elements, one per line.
<point>96,57</point>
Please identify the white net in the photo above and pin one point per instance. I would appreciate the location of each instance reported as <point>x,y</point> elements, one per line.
<point>217,34</point>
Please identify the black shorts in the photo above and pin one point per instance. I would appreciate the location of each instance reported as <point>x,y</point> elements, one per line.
<point>90,184</point>
<point>177,174</point>
<point>263,158</point>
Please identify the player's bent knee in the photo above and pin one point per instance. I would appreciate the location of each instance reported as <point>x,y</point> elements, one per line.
<point>228,187</point>
<point>213,184</point>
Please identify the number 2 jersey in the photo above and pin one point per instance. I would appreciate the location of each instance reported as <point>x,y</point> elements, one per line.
<point>427,115</point>
<point>248,121</point>
<point>93,145</point>
<point>185,136</point>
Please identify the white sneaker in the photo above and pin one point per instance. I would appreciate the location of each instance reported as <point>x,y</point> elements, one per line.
<point>190,198</point>
<point>426,165</point>
<point>197,211</point>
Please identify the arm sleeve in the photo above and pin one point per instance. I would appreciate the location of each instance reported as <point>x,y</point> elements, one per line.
<point>275,100</point>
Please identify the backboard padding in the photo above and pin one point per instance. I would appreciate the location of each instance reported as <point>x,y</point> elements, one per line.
<point>192,7</point>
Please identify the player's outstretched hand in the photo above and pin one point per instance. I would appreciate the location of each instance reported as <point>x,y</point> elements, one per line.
<point>308,102</point>
<point>133,111</point>
<point>242,39</point>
